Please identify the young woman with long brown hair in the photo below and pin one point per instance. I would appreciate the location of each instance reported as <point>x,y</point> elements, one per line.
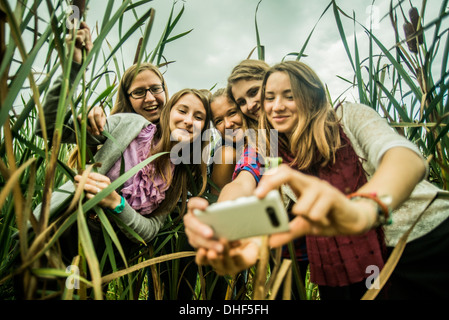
<point>147,198</point>
<point>350,172</point>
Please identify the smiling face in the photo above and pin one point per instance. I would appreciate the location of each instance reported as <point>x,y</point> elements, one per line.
<point>246,93</point>
<point>187,118</point>
<point>279,104</point>
<point>227,119</point>
<point>150,105</point>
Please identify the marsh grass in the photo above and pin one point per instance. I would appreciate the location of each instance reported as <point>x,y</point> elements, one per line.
<point>409,86</point>
<point>397,82</point>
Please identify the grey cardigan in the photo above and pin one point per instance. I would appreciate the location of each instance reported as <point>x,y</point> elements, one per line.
<point>124,127</point>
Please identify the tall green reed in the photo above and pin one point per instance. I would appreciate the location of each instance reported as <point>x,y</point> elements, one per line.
<point>32,168</point>
<point>399,80</point>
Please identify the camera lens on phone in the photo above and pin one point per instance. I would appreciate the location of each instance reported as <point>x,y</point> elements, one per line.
<point>272,215</point>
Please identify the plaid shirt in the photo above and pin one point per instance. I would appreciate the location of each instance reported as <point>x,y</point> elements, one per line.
<point>249,161</point>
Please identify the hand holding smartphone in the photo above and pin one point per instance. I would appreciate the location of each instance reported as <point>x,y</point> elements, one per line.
<point>246,217</point>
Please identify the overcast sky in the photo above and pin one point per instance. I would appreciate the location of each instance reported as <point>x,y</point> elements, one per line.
<point>224,34</point>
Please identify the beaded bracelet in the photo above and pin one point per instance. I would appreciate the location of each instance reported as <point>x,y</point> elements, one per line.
<point>383,206</point>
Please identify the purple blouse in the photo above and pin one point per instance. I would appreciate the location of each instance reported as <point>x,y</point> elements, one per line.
<point>144,191</point>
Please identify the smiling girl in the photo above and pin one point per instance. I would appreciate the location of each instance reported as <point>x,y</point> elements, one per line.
<point>244,86</point>
<point>230,123</point>
<point>142,91</point>
<point>151,194</point>
<point>352,173</point>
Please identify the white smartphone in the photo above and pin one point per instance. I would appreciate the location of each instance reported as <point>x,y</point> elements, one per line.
<point>246,217</point>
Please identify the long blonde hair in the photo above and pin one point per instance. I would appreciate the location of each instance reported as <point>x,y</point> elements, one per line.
<point>316,137</point>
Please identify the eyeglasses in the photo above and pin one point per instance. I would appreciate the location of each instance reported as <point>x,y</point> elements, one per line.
<point>141,93</point>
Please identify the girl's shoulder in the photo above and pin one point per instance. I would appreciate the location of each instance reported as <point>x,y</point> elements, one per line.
<point>125,127</point>
<point>351,111</point>
<point>129,122</point>
<point>127,117</point>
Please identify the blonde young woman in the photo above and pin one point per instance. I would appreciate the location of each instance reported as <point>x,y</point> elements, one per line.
<point>147,96</point>
<point>350,173</point>
<point>150,92</point>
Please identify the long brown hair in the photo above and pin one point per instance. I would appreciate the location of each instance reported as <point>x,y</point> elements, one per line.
<point>316,138</point>
<point>180,179</point>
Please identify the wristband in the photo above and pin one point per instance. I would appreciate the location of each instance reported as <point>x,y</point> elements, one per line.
<point>120,207</point>
<point>383,206</point>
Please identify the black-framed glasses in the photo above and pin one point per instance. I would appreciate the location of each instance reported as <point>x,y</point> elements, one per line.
<point>141,93</point>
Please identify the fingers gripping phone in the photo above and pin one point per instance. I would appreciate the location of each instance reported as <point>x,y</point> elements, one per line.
<point>246,217</point>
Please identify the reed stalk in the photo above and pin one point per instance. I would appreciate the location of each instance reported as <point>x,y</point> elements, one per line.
<point>408,85</point>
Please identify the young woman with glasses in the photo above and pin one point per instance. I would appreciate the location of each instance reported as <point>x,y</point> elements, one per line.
<point>146,198</point>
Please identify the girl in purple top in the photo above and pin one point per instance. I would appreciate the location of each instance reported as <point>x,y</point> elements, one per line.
<point>143,124</point>
<point>142,90</point>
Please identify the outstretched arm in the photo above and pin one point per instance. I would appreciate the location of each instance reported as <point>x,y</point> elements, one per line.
<point>399,171</point>
<point>146,227</point>
<point>322,209</point>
